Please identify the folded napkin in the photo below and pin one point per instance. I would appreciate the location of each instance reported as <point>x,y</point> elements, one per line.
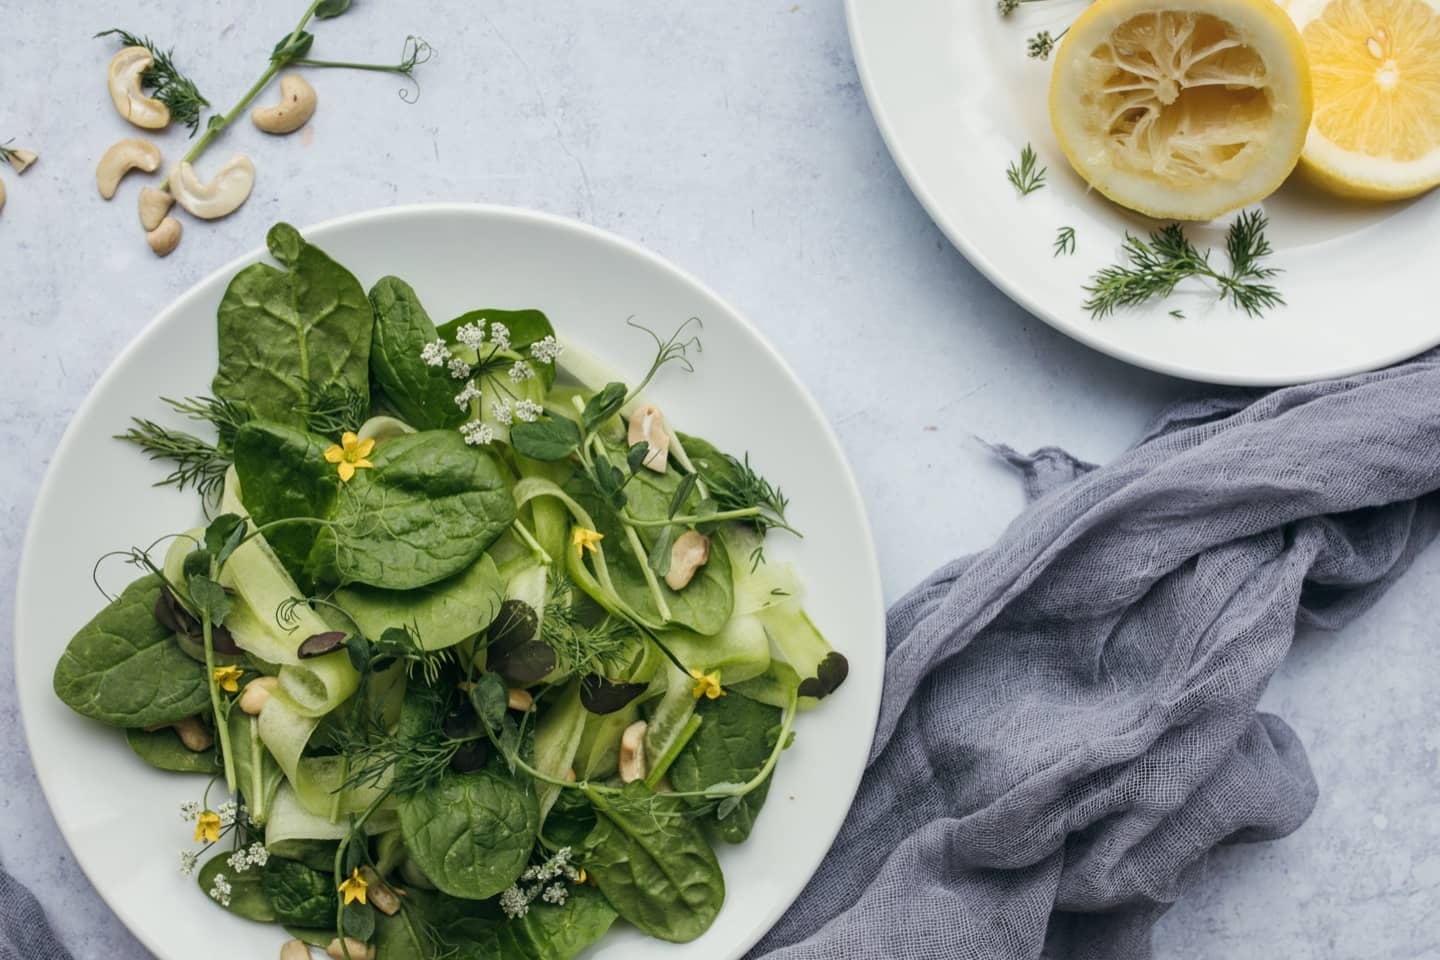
<point>1069,721</point>
<point>24,934</point>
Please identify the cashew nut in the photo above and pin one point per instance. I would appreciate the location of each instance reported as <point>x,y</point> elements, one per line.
<point>632,752</point>
<point>296,107</point>
<point>257,692</point>
<point>689,552</point>
<point>359,949</point>
<point>127,70</point>
<point>165,238</point>
<point>120,159</point>
<point>518,698</point>
<point>381,895</point>
<point>648,424</point>
<point>154,205</point>
<point>21,159</point>
<point>221,196</point>
<point>295,950</point>
<point>192,734</point>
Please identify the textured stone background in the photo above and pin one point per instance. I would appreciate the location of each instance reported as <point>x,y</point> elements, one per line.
<point>734,139</point>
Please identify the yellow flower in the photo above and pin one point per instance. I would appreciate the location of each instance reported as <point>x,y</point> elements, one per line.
<point>707,685</point>
<point>207,827</point>
<point>349,455</point>
<point>354,888</point>
<point>585,539</point>
<point>228,678</point>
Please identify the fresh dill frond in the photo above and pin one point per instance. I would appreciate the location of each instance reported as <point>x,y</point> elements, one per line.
<point>412,761</point>
<point>583,648</point>
<point>735,485</point>
<point>1027,175</point>
<point>198,464</point>
<point>335,409</point>
<point>165,81</point>
<point>1065,241</point>
<point>1153,268</point>
<point>226,416</point>
<point>1178,314</point>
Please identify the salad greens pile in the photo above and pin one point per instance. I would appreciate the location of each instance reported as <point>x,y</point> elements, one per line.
<point>480,671</point>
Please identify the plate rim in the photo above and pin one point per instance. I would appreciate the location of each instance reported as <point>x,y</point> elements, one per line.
<point>971,251</point>
<point>873,686</point>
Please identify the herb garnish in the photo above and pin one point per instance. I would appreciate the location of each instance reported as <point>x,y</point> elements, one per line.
<point>199,463</point>
<point>165,80</point>
<point>1027,176</point>
<point>1065,241</point>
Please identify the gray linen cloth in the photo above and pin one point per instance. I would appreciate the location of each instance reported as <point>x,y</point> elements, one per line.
<point>1069,722</point>
<point>24,934</point>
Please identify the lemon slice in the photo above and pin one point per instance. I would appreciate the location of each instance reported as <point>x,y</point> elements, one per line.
<point>1376,69</point>
<point>1182,110</point>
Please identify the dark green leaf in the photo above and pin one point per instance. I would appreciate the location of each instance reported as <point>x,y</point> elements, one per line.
<point>829,675</point>
<point>358,919</point>
<point>223,535</point>
<point>423,395</point>
<point>247,893</point>
<point>439,615</point>
<point>660,552</point>
<point>471,834</point>
<point>602,406</point>
<point>163,750</point>
<point>682,494</point>
<point>733,742</point>
<point>570,820</point>
<point>635,458</point>
<point>601,695</point>
<point>125,669</point>
<point>551,439</point>
<point>293,46</point>
<point>525,327</point>
<point>209,598</point>
<point>546,932</point>
<point>299,895</point>
<point>331,8</point>
<point>490,699</point>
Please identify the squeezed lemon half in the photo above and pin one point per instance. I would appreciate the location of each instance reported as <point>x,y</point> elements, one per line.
<point>1182,109</point>
<point>1376,70</point>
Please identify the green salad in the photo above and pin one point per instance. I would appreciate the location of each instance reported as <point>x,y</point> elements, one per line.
<point>476,655</point>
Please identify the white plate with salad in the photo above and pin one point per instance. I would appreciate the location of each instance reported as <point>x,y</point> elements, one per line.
<point>959,98</point>
<point>503,594</point>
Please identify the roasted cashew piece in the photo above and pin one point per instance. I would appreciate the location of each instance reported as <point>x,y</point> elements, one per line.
<point>648,424</point>
<point>22,159</point>
<point>154,207</point>
<point>295,950</point>
<point>126,71</point>
<point>689,552</point>
<point>296,107</point>
<point>165,238</point>
<point>221,196</point>
<point>120,159</point>
<point>632,752</point>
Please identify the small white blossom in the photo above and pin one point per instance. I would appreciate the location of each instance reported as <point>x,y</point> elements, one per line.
<point>528,411</point>
<point>477,433</point>
<point>254,855</point>
<point>502,412</point>
<point>459,369</point>
<point>471,392</point>
<point>227,813</point>
<point>189,811</point>
<point>514,903</point>
<point>239,861</point>
<point>520,370</point>
<point>546,349</point>
<point>188,860</point>
<point>532,872</point>
<point>500,336</point>
<point>220,890</point>
<point>556,894</point>
<point>471,335</point>
<point>435,354</point>
<point>259,855</point>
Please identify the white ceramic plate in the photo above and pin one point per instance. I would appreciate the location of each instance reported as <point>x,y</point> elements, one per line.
<point>956,100</point>
<point>120,817</point>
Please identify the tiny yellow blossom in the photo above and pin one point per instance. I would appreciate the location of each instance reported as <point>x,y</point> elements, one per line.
<point>354,888</point>
<point>228,678</point>
<point>207,827</point>
<point>349,455</point>
<point>707,685</point>
<point>585,539</point>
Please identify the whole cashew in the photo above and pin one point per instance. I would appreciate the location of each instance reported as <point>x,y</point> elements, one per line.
<point>632,752</point>
<point>689,552</point>
<point>296,106</point>
<point>221,196</point>
<point>127,68</point>
<point>648,424</point>
<point>22,159</point>
<point>257,692</point>
<point>357,949</point>
<point>154,206</point>
<point>165,238</point>
<point>295,950</point>
<point>120,159</point>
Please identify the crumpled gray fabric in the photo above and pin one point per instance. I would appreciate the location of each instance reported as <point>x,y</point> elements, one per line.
<point>24,933</point>
<point>1069,722</point>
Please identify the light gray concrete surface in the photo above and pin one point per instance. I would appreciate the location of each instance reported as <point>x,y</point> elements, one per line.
<point>734,139</point>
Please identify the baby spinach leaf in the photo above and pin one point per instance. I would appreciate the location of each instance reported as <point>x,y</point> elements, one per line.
<point>653,864</point>
<point>548,440</point>
<point>209,598</point>
<point>299,896</point>
<point>358,919</point>
<point>546,932</point>
<point>288,334</point>
<point>525,328</point>
<point>163,750</point>
<point>735,738</point>
<point>125,669</point>
<point>570,820</point>
<point>429,508</point>
<point>439,615</point>
<point>471,834</point>
<point>423,395</point>
<point>283,474</point>
<point>247,896</point>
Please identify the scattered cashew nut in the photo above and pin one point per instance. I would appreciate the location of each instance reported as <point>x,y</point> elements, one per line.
<point>632,752</point>
<point>295,950</point>
<point>296,107</point>
<point>518,698</point>
<point>165,238</point>
<point>359,949</point>
<point>257,692</point>
<point>127,68</point>
<point>689,552</point>
<point>154,207</point>
<point>648,424</point>
<point>218,198</point>
<point>129,154</point>
<point>381,895</point>
<point>22,159</point>
<point>192,734</point>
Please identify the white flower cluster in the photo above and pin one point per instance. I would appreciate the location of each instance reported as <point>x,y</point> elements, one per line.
<point>546,349</point>
<point>459,369</point>
<point>228,812</point>
<point>477,433</point>
<point>435,354</point>
<point>526,411</point>
<point>188,861</point>
<point>189,811</point>
<point>520,371</point>
<point>473,336</point>
<point>246,857</point>
<point>471,392</point>
<point>220,890</point>
<point>544,881</point>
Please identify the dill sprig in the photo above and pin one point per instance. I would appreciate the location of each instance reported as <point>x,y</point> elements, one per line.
<point>1065,241</point>
<point>165,81</point>
<point>1154,267</point>
<point>336,409</point>
<point>583,648</point>
<point>1027,176</point>
<point>199,464</point>
<point>413,759</point>
<point>739,487</point>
